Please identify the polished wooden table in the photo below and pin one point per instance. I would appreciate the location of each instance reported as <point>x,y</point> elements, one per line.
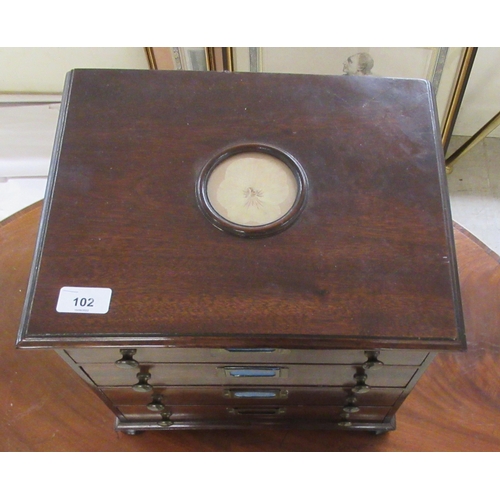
<point>44,406</point>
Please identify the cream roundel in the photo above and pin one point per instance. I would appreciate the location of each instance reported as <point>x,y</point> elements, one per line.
<point>252,189</point>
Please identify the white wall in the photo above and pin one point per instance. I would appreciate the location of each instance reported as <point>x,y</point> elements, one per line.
<point>42,70</point>
<point>482,98</point>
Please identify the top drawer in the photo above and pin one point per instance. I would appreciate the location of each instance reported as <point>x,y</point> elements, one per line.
<point>197,355</point>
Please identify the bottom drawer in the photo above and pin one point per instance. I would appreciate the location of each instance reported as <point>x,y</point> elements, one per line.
<point>241,414</point>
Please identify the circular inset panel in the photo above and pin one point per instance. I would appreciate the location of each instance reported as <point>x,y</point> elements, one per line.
<point>252,190</point>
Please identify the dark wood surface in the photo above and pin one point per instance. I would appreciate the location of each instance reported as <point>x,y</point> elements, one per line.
<point>124,215</point>
<point>44,406</point>
<point>191,374</point>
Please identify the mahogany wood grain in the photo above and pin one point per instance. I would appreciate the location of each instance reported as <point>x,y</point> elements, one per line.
<point>196,395</point>
<point>214,374</point>
<point>123,214</point>
<point>234,414</point>
<point>455,406</point>
<point>283,356</point>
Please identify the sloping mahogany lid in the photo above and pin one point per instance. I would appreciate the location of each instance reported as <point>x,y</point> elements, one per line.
<point>366,256</point>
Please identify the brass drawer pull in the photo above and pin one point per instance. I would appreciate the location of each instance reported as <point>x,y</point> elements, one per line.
<point>257,411</point>
<point>253,371</point>
<point>345,423</point>
<point>142,385</point>
<point>256,393</point>
<point>156,403</point>
<point>350,405</point>
<point>372,363</point>
<point>165,420</point>
<point>127,360</point>
<point>360,387</point>
<point>350,409</point>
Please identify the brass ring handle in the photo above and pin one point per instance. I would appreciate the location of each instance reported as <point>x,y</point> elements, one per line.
<point>127,360</point>
<point>142,385</point>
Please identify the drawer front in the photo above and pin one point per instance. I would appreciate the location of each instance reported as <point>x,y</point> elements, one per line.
<point>195,355</point>
<point>236,413</point>
<point>214,374</point>
<point>291,395</point>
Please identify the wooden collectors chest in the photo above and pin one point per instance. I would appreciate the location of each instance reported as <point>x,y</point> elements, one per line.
<point>226,250</point>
